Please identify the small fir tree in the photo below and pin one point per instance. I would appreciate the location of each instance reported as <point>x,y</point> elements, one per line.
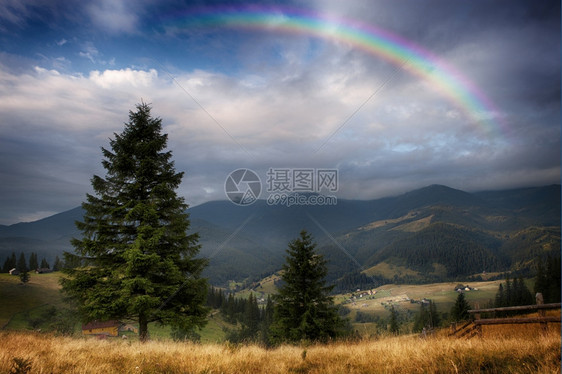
<point>33,264</point>
<point>10,263</point>
<point>303,308</point>
<point>24,276</point>
<point>394,327</point>
<point>57,265</point>
<point>22,264</point>
<point>459,311</point>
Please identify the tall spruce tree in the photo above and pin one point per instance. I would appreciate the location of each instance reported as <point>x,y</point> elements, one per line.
<point>303,308</point>
<point>137,261</point>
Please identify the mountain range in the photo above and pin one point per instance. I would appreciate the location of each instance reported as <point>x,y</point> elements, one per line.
<point>429,234</point>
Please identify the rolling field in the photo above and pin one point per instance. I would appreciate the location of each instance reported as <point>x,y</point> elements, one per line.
<point>443,294</point>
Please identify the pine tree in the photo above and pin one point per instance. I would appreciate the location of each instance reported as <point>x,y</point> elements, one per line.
<point>33,264</point>
<point>267,320</point>
<point>22,264</point>
<point>303,308</point>
<point>500,297</point>
<point>434,318</point>
<point>44,264</point>
<point>508,292</point>
<point>24,276</point>
<point>251,320</point>
<point>553,279</point>
<point>57,266</point>
<point>541,281</point>
<point>394,326</point>
<point>10,263</point>
<point>459,311</point>
<point>136,259</point>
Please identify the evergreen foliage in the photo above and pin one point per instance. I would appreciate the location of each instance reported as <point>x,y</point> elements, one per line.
<point>44,264</point>
<point>547,280</point>
<point>357,280</point>
<point>394,327</point>
<point>22,264</point>
<point>24,276</point>
<point>253,319</point>
<point>10,263</point>
<point>33,263</point>
<point>303,308</point>
<point>459,311</point>
<point>57,266</point>
<point>134,259</point>
<point>514,293</point>
<point>427,317</point>
<point>461,251</point>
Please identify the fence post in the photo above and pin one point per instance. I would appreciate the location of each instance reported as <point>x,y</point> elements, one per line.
<point>541,312</point>
<point>476,319</point>
<point>477,315</point>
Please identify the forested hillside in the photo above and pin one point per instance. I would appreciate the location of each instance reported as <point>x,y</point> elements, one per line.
<point>432,234</point>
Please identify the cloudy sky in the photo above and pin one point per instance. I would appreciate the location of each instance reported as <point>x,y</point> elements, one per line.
<point>234,95</point>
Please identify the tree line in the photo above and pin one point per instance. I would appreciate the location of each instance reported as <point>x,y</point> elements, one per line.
<point>254,319</point>
<point>22,264</point>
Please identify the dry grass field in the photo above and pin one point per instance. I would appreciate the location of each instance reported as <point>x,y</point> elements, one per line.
<point>494,353</point>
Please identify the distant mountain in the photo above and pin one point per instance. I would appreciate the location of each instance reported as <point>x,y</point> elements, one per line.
<point>433,233</point>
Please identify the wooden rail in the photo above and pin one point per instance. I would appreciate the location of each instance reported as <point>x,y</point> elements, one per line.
<point>516,308</point>
<point>474,327</point>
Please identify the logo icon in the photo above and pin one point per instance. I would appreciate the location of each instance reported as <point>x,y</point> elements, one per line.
<point>242,186</point>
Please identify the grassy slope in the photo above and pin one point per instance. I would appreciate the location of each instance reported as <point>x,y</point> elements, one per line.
<point>43,290</point>
<point>40,290</point>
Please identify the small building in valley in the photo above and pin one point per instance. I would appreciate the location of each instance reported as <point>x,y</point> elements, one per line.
<point>108,328</point>
<point>127,327</point>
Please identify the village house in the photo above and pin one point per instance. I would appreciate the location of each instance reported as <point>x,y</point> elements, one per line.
<point>14,271</point>
<point>43,271</point>
<point>107,328</point>
<point>127,327</point>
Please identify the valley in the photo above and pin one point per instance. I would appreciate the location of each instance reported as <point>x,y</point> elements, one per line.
<point>429,235</point>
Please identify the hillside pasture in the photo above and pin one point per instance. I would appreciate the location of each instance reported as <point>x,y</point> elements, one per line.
<point>443,294</point>
<point>42,289</point>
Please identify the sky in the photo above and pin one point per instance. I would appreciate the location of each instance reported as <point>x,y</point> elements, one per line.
<point>464,94</point>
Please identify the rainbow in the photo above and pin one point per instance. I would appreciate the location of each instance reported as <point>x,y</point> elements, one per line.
<point>399,51</point>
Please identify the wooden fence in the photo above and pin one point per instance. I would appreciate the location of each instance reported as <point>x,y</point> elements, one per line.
<point>473,327</point>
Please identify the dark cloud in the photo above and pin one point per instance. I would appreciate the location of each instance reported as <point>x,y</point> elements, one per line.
<point>274,99</point>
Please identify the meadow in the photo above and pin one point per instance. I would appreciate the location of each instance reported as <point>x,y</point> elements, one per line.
<point>504,348</point>
<point>494,353</point>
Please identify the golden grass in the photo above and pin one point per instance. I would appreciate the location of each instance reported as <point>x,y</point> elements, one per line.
<point>406,354</point>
